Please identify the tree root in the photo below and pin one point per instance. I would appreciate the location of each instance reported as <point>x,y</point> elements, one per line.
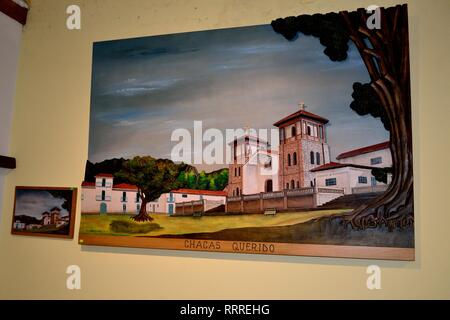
<point>393,210</point>
<point>142,217</point>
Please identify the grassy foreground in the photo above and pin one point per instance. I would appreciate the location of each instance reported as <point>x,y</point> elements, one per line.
<point>100,224</point>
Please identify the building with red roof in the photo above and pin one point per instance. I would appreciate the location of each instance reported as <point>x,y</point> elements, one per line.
<point>376,155</point>
<point>303,147</point>
<point>353,172</point>
<point>103,196</point>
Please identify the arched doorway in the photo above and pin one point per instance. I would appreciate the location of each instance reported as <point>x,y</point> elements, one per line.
<point>103,208</point>
<point>269,185</point>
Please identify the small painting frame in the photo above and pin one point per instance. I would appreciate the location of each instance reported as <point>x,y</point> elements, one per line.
<point>49,223</point>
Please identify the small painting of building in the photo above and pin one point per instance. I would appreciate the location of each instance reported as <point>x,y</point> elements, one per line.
<point>44,211</point>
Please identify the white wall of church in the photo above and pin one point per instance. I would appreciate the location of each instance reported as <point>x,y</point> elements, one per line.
<point>316,147</point>
<point>256,175</point>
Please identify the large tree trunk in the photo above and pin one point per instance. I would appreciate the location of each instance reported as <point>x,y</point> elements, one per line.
<point>143,216</point>
<point>387,61</point>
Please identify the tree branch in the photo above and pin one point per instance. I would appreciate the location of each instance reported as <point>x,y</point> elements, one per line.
<point>360,45</point>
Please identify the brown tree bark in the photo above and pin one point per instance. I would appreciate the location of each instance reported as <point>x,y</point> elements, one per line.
<point>387,61</point>
<point>142,216</point>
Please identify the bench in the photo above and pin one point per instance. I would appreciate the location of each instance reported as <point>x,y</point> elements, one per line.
<point>270,212</point>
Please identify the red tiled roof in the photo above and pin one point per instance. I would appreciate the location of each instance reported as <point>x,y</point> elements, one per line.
<point>356,152</point>
<point>88,184</point>
<point>336,165</point>
<point>301,113</point>
<point>200,192</point>
<point>125,186</point>
<point>104,175</point>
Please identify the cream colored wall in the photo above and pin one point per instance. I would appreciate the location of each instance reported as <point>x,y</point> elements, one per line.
<point>50,141</point>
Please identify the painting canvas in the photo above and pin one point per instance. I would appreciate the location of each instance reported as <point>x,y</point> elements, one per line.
<point>291,138</point>
<point>44,211</point>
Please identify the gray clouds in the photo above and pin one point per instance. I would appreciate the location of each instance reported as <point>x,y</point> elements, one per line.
<point>144,88</point>
<point>35,202</point>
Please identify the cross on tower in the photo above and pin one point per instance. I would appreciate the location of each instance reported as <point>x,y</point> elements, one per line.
<point>302,105</point>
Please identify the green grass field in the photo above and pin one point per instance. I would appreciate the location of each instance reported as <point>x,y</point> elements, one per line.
<point>100,224</point>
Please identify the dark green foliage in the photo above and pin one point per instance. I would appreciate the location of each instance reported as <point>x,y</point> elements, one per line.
<point>188,177</point>
<point>27,219</point>
<point>152,176</point>
<point>332,33</point>
<point>381,174</point>
<point>216,180</point>
<point>108,166</point>
<point>123,226</point>
<point>63,194</point>
<point>327,27</point>
<point>366,101</point>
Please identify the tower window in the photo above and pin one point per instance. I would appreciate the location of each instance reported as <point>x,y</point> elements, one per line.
<point>293,131</point>
<point>292,184</point>
<point>317,158</point>
<point>235,172</point>
<point>311,156</point>
<point>289,159</point>
<point>287,185</point>
<point>294,156</point>
<point>239,171</point>
<point>308,130</point>
<point>298,184</point>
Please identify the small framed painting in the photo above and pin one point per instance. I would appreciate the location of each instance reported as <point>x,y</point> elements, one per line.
<point>44,211</point>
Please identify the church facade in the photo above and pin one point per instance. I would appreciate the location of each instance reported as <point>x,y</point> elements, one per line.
<point>303,160</point>
<point>303,147</point>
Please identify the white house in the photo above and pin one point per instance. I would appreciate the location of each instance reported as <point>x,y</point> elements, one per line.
<point>377,155</point>
<point>19,225</point>
<point>344,176</point>
<point>103,196</point>
<point>354,171</point>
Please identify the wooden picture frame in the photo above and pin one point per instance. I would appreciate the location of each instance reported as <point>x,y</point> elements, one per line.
<point>341,187</point>
<point>49,223</point>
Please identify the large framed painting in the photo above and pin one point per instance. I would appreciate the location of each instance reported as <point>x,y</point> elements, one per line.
<point>44,211</point>
<point>290,138</point>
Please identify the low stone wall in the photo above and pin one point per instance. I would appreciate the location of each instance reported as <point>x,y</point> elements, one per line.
<point>189,208</point>
<point>377,188</point>
<point>199,207</point>
<point>296,199</point>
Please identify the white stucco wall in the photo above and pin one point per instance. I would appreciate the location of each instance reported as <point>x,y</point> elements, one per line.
<point>90,204</point>
<point>255,174</point>
<point>10,36</point>
<point>346,178</point>
<point>364,159</point>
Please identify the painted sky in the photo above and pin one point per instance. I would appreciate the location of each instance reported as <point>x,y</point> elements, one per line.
<point>144,88</point>
<point>35,202</point>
